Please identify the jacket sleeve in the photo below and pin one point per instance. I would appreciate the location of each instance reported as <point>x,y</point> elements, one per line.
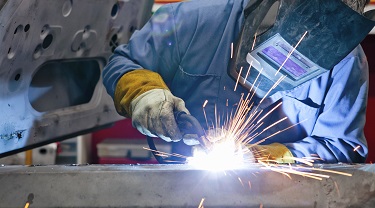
<point>338,132</point>
<point>153,47</point>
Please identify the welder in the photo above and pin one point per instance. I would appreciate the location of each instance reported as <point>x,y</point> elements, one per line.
<point>184,58</point>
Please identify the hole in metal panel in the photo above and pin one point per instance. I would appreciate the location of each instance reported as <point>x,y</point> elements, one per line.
<point>114,10</point>
<point>114,39</point>
<point>19,28</point>
<point>47,41</point>
<point>11,53</point>
<point>61,84</point>
<point>114,42</point>
<point>17,77</point>
<point>15,81</point>
<point>43,151</point>
<point>37,51</point>
<point>27,28</point>
<point>44,29</point>
<point>132,29</point>
<point>67,8</point>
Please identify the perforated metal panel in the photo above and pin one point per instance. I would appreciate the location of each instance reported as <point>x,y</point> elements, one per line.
<point>52,54</point>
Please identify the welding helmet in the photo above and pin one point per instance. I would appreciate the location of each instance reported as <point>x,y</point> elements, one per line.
<point>284,43</point>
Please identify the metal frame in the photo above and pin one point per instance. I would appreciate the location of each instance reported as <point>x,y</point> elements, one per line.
<point>36,33</point>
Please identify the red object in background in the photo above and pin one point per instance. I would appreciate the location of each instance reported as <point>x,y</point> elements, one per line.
<point>369,129</point>
<point>368,45</point>
<point>120,130</point>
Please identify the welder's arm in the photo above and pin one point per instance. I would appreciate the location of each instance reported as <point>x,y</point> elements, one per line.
<point>139,93</point>
<point>338,132</point>
<point>143,96</point>
<point>155,47</point>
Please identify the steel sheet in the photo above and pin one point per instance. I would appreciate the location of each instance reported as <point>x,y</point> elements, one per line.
<point>182,186</point>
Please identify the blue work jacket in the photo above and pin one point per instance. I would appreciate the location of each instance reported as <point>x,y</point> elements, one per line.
<point>189,45</point>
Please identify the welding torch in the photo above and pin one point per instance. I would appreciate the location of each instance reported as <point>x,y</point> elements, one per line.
<point>188,125</point>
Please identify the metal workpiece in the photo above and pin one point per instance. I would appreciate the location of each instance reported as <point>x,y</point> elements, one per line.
<point>52,55</point>
<point>182,186</point>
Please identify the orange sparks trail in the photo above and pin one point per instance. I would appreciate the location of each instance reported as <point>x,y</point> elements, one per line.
<point>244,125</point>
<point>337,189</point>
<point>231,50</point>
<point>291,52</point>
<point>356,148</point>
<point>239,128</point>
<point>238,78</point>
<point>241,181</point>
<point>255,39</point>
<point>27,205</point>
<point>233,136</point>
<point>165,155</point>
<point>201,203</point>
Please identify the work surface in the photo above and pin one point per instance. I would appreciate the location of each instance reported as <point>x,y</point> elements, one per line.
<point>183,186</point>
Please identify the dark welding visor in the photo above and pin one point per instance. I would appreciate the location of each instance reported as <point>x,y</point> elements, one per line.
<point>294,41</point>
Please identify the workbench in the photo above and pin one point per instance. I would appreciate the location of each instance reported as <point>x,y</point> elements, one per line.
<point>183,186</point>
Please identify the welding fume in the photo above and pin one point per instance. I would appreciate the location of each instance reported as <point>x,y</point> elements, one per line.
<point>279,79</point>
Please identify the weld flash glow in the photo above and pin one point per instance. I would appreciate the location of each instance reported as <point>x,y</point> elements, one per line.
<point>224,155</point>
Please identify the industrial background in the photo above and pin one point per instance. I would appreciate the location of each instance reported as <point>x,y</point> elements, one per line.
<point>74,150</point>
<point>123,144</point>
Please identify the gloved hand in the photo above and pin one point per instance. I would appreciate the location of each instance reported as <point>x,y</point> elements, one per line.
<point>272,152</point>
<point>153,114</point>
<point>143,96</point>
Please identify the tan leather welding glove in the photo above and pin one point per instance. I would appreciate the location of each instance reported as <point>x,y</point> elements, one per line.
<point>143,96</point>
<point>272,152</point>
